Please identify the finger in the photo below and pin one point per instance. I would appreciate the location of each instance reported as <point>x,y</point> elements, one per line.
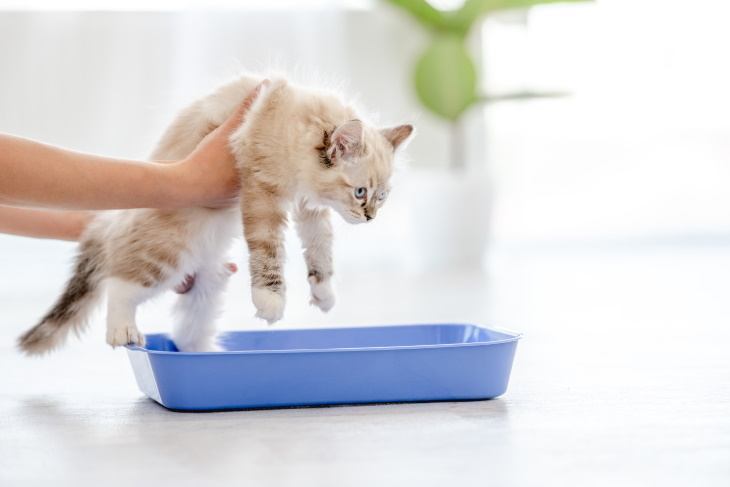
<point>239,115</point>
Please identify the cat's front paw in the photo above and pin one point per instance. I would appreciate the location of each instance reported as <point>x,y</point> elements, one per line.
<point>322,295</point>
<point>269,305</point>
<point>118,336</point>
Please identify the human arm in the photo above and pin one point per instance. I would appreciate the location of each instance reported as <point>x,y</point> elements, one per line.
<point>65,225</point>
<point>36,175</point>
<point>59,225</point>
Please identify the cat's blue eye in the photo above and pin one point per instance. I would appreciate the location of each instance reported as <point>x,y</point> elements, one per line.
<point>382,195</point>
<point>360,193</point>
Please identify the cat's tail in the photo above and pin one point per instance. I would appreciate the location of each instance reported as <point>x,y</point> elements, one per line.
<point>71,311</point>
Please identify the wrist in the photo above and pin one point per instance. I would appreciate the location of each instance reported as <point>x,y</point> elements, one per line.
<point>174,189</point>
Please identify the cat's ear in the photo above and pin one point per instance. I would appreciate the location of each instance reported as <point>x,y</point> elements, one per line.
<point>346,141</point>
<point>397,135</point>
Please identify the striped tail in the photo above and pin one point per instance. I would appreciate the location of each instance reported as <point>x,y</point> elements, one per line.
<point>72,309</point>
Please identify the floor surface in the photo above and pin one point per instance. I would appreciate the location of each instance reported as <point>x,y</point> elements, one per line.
<point>623,378</point>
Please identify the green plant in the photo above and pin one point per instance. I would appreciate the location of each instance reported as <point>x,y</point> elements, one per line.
<point>445,76</point>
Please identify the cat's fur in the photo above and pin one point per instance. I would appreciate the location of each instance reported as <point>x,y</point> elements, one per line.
<point>299,150</point>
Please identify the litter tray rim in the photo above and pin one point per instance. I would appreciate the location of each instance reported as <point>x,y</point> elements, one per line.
<point>515,336</point>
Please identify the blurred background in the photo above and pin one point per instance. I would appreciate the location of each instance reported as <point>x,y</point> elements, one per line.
<point>636,149</point>
<point>582,196</point>
<point>632,151</point>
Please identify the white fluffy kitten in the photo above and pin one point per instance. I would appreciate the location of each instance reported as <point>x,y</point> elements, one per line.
<point>300,151</point>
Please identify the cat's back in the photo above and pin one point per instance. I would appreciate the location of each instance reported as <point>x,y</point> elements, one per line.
<point>314,106</point>
<point>293,116</point>
<point>284,107</point>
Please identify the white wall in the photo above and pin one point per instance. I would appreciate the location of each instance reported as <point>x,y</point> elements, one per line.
<point>640,150</point>
<point>108,82</point>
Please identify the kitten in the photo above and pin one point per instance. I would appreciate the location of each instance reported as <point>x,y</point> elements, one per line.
<point>299,151</point>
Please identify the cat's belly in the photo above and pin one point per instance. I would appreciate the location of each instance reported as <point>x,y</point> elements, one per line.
<point>159,248</point>
<point>210,235</point>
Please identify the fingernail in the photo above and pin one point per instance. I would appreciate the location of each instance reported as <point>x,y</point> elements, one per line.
<point>261,85</point>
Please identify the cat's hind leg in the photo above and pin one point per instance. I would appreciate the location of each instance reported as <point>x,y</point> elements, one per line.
<point>124,298</point>
<point>198,308</point>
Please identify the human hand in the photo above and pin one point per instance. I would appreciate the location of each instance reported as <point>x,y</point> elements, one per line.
<point>209,175</point>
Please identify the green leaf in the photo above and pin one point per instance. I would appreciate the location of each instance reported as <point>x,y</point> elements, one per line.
<point>492,5</point>
<point>524,95</point>
<point>472,10</point>
<point>446,78</point>
<point>463,19</point>
<point>422,11</point>
<point>460,21</point>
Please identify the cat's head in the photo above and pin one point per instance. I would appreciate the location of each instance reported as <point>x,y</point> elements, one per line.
<point>356,163</point>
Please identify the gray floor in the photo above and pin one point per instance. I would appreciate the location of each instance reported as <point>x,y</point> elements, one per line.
<point>623,378</point>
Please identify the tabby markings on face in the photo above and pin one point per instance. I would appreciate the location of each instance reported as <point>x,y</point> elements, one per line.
<point>323,149</point>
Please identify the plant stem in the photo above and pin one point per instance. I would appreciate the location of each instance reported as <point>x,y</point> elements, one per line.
<point>457,162</point>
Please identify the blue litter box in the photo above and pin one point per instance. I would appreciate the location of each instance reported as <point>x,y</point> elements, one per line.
<point>276,368</point>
